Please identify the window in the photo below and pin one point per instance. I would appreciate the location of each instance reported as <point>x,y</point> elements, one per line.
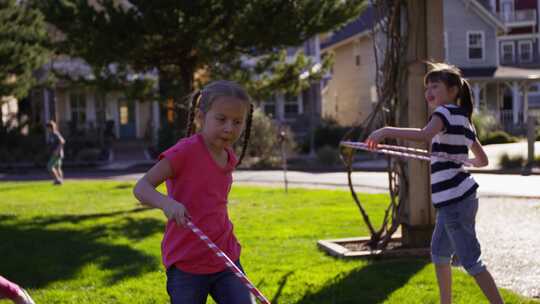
<point>475,45</point>
<point>170,110</point>
<point>78,109</point>
<point>269,107</point>
<point>507,9</point>
<point>507,52</point>
<point>525,51</point>
<point>357,59</point>
<point>291,105</point>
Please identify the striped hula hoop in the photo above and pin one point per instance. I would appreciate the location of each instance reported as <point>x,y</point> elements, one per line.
<point>405,152</point>
<point>220,254</point>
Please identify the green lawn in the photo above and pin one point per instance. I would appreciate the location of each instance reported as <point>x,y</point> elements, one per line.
<point>90,242</point>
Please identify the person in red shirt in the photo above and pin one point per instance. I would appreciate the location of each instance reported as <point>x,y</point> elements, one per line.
<point>198,175</point>
<point>13,292</point>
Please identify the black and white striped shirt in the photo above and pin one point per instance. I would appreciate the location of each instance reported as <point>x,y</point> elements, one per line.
<point>450,183</point>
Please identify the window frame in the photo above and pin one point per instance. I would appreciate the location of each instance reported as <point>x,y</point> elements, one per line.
<point>526,42</point>
<point>508,43</point>
<point>78,104</point>
<point>482,47</point>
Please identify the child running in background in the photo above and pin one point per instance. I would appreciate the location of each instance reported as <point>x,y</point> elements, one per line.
<point>12,291</point>
<point>56,143</point>
<point>198,175</point>
<point>453,190</point>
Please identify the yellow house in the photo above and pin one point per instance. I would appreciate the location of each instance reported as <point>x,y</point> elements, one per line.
<point>349,93</point>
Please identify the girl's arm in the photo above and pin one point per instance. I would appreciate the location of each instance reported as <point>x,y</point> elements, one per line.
<point>434,126</point>
<point>145,191</point>
<point>480,158</point>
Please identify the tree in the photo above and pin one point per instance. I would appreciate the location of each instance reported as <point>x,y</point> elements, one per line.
<point>23,47</point>
<point>182,37</point>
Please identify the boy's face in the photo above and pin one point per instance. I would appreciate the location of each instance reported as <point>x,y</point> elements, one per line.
<point>437,94</point>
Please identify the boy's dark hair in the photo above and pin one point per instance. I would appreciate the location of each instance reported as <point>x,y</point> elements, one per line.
<point>203,99</point>
<point>451,76</point>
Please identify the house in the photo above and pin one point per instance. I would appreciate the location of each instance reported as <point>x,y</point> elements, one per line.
<point>77,108</point>
<point>349,91</point>
<point>301,112</point>
<point>495,43</point>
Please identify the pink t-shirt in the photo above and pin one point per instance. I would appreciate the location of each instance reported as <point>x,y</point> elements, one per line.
<point>202,186</point>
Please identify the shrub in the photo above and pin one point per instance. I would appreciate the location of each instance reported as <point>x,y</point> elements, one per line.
<point>497,137</point>
<point>89,154</point>
<point>329,133</point>
<point>484,124</point>
<point>264,145</point>
<point>168,135</point>
<point>328,155</point>
<point>508,162</point>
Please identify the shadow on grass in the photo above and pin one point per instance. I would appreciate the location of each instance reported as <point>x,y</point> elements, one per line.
<point>282,283</point>
<point>35,255</point>
<point>372,283</point>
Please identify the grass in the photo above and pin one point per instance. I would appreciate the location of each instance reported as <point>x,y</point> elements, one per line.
<point>90,242</point>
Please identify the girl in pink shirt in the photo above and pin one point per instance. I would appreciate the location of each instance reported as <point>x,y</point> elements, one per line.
<point>13,292</point>
<point>198,175</point>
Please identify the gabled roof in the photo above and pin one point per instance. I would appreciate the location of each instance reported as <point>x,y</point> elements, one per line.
<point>361,24</point>
<point>481,7</point>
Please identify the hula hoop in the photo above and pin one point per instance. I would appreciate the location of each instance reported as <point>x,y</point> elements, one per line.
<point>223,256</point>
<point>405,152</point>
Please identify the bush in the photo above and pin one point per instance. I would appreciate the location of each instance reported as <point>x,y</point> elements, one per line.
<point>89,154</point>
<point>17,147</point>
<point>484,124</point>
<point>264,145</point>
<point>168,135</point>
<point>329,133</point>
<point>498,137</point>
<point>328,155</point>
<point>513,162</point>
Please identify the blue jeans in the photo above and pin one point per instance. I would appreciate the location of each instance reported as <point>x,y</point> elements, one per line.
<point>189,288</point>
<point>455,234</point>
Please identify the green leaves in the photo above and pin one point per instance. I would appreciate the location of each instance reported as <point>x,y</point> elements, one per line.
<point>23,47</point>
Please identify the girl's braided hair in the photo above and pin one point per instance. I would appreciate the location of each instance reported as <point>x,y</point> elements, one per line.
<point>203,99</point>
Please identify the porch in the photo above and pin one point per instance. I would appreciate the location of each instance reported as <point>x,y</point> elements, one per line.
<point>507,93</point>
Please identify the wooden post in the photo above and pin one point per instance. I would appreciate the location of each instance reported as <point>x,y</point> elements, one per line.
<point>425,42</point>
<point>531,138</point>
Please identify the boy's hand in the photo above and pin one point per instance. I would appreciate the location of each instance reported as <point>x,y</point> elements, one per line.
<point>176,212</point>
<point>375,138</point>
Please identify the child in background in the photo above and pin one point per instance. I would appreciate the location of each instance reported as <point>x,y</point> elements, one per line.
<point>198,175</point>
<point>453,190</point>
<point>56,143</point>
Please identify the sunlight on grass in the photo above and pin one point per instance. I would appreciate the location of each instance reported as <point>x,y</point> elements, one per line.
<point>91,242</point>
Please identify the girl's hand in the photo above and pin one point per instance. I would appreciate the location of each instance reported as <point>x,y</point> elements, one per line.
<point>478,163</point>
<point>176,212</point>
<point>375,138</point>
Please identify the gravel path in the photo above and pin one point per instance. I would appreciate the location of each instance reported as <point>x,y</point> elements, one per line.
<point>509,232</point>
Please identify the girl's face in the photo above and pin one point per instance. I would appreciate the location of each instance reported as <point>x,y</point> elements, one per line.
<point>437,94</point>
<point>223,123</point>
